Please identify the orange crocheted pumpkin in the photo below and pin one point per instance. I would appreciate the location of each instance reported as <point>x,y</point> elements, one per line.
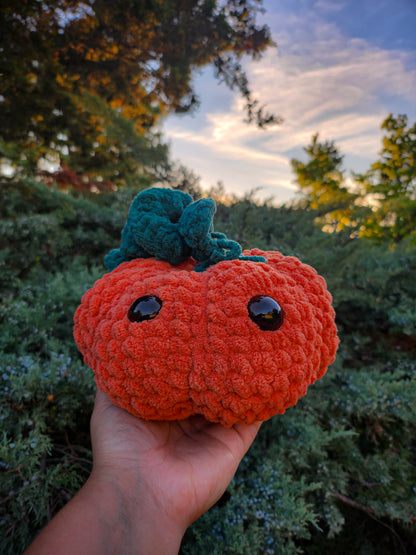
<point>238,342</point>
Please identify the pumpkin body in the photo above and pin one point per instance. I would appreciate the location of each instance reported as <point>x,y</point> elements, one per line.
<point>202,353</point>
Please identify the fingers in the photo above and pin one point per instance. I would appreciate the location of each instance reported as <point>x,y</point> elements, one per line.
<point>104,409</point>
<point>248,432</point>
<point>102,401</point>
<point>238,438</point>
<point>101,398</point>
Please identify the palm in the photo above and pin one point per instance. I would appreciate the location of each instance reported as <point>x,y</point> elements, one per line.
<point>184,465</point>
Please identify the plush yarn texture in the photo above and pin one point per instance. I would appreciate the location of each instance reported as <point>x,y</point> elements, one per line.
<point>202,353</point>
<point>168,225</point>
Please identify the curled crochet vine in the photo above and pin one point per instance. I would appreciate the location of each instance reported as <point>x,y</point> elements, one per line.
<point>170,226</point>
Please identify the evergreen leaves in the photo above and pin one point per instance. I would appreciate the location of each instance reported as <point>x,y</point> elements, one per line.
<point>335,474</point>
<point>379,204</point>
<point>85,82</point>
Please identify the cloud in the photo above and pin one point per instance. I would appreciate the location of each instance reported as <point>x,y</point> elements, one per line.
<point>319,81</point>
<point>228,144</point>
<point>330,5</point>
<point>336,89</point>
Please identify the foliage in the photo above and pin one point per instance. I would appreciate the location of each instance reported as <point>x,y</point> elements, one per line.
<point>39,224</point>
<point>321,180</point>
<point>85,81</point>
<point>391,183</point>
<point>46,398</point>
<point>335,474</point>
<point>382,204</point>
<point>44,450</point>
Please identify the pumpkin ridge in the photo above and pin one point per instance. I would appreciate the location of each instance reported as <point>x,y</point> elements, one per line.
<point>197,375</point>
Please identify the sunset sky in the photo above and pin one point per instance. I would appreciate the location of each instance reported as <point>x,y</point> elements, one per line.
<point>340,67</point>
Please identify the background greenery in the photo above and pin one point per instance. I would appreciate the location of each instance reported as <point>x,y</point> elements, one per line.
<point>334,474</point>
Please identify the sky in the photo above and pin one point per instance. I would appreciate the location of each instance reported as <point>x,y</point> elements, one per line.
<point>339,69</point>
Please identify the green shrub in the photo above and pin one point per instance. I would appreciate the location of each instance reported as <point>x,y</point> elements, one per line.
<point>44,450</point>
<point>335,474</point>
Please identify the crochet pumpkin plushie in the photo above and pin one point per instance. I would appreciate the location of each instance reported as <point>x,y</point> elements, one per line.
<point>185,323</point>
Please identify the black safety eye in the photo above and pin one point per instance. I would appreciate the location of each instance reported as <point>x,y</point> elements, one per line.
<point>265,312</point>
<point>144,308</point>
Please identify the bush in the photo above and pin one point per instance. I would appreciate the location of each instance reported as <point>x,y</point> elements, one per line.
<point>335,473</point>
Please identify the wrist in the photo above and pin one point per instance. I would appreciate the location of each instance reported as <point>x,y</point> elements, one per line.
<point>131,517</point>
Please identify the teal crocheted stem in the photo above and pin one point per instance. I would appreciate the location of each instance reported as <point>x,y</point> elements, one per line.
<point>169,226</point>
<point>224,249</point>
<point>152,228</point>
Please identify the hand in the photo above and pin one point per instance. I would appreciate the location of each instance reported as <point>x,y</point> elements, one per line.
<point>150,481</point>
<point>180,468</point>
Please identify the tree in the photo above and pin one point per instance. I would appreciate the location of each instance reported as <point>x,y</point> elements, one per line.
<point>321,180</point>
<point>390,183</point>
<point>382,203</point>
<point>79,74</point>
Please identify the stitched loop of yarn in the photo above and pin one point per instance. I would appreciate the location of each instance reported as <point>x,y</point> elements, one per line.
<point>169,226</point>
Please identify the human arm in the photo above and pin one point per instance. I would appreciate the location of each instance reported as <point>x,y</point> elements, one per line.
<point>150,481</point>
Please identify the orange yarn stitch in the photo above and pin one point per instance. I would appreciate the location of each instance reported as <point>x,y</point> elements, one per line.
<point>203,353</point>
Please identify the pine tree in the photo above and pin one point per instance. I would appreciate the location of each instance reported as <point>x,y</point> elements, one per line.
<point>381,203</point>
<point>322,182</point>
<point>390,183</point>
<point>85,82</point>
